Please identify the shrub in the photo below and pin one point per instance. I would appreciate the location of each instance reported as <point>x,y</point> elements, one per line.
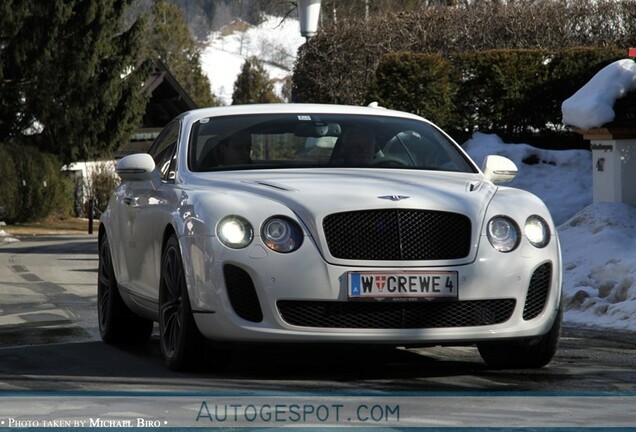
<point>102,182</point>
<point>36,189</point>
<point>338,65</point>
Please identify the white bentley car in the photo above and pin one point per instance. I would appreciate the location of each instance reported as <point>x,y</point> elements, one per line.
<point>325,224</point>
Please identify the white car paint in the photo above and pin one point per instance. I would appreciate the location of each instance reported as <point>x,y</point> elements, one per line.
<point>191,204</point>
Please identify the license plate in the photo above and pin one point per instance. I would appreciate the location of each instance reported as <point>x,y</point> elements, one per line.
<point>402,285</point>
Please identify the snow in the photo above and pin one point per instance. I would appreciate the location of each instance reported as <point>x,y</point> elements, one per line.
<point>275,42</point>
<point>593,105</point>
<point>6,238</point>
<point>599,245</point>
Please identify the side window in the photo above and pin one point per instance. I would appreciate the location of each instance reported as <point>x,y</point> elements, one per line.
<point>163,151</point>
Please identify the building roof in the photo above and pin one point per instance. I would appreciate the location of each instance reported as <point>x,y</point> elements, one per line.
<point>167,100</point>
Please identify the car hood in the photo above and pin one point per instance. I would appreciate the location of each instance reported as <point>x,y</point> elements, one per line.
<point>314,194</point>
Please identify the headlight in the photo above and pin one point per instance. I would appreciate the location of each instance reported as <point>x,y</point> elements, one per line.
<point>282,234</point>
<point>503,233</point>
<point>235,232</point>
<point>537,231</point>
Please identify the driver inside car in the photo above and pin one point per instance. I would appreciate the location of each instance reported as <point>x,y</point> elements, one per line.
<point>358,147</point>
<point>233,150</point>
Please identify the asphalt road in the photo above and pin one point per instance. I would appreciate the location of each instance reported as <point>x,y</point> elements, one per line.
<point>49,342</point>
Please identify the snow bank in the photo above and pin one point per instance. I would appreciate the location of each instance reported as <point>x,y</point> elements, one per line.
<point>593,105</point>
<point>6,238</point>
<point>599,266</point>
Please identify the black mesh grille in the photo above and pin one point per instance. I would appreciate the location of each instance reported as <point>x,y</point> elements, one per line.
<point>398,234</point>
<point>538,291</point>
<point>395,315</point>
<point>242,294</point>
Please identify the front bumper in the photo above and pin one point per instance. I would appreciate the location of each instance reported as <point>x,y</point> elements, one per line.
<point>256,295</point>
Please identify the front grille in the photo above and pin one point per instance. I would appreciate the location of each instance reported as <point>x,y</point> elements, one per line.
<point>537,291</point>
<point>397,235</point>
<point>395,315</point>
<point>242,294</point>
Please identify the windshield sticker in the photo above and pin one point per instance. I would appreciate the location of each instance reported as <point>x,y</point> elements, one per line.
<point>304,118</point>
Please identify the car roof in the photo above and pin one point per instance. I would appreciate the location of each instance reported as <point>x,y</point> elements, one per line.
<point>294,108</point>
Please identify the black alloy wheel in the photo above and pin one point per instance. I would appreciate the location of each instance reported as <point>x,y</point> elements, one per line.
<point>117,323</point>
<point>182,345</point>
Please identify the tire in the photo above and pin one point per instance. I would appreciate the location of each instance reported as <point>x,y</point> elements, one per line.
<point>523,354</point>
<point>182,345</point>
<point>117,323</point>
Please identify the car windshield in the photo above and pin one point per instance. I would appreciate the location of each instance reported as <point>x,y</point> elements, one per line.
<point>265,141</point>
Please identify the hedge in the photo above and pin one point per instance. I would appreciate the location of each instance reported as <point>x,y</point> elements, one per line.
<point>338,64</point>
<point>348,60</point>
<point>516,94</point>
<point>32,186</point>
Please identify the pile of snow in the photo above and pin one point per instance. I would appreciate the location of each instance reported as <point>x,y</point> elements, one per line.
<point>593,105</point>
<point>599,245</point>
<point>6,238</point>
<point>274,42</point>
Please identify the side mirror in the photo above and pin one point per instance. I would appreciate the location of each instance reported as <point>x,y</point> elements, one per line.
<point>499,169</point>
<point>136,167</point>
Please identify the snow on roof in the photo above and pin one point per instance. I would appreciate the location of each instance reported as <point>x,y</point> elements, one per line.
<point>592,105</point>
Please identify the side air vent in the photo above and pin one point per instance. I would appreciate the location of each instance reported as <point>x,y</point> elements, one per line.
<point>538,291</point>
<point>242,294</point>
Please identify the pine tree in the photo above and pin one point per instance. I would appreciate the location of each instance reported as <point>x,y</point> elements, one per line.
<point>171,42</point>
<point>69,69</point>
<point>13,118</point>
<point>253,85</point>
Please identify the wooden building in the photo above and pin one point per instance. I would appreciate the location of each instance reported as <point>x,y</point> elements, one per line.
<point>167,100</point>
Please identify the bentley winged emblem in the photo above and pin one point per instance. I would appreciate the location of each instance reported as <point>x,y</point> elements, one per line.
<point>394,197</point>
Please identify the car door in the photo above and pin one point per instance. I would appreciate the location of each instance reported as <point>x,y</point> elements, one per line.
<point>147,203</point>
